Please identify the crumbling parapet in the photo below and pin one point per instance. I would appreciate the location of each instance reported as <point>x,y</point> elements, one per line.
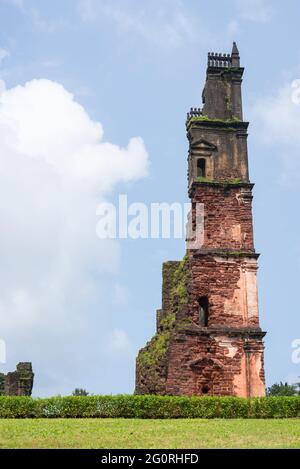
<point>19,382</point>
<point>152,360</point>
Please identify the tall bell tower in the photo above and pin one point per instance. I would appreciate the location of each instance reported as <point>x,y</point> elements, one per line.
<point>208,339</point>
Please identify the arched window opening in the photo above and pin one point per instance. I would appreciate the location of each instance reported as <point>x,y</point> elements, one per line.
<point>205,389</point>
<point>201,168</point>
<point>203,311</point>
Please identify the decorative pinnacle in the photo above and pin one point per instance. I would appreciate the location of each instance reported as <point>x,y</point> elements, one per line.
<point>235,56</point>
<point>235,50</point>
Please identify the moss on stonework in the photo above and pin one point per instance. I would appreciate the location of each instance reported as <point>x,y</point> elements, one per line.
<point>238,253</point>
<point>231,70</point>
<point>179,284</point>
<point>152,360</point>
<point>168,321</point>
<point>228,104</point>
<point>224,182</point>
<point>155,351</point>
<point>236,181</point>
<point>232,120</point>
<point>184,323</point>
<point>204,179</point>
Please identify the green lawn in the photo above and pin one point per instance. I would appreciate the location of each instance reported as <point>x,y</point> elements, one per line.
<point>122,433</point>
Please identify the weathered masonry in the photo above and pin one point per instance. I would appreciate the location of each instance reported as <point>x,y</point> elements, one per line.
<point>17,383</point>
<point>208,339</point>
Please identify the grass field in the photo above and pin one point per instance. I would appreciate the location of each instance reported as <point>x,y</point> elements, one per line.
<point>122,433</point>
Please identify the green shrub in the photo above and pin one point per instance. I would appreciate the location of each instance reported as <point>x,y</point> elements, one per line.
<point>151,407</point>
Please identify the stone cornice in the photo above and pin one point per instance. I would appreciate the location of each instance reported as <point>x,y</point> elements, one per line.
<point>231,184</point>
<point>219,124</point>
<point>234,253</point>
<point>244,332</point>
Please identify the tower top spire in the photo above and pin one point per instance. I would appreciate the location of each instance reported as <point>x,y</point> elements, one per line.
<point>235,50</point>
<point>220,61</point>
<point>221,96</point>
<point>235,56</point>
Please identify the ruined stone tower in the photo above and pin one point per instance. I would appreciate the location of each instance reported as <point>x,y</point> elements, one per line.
<point>19,382</point>
<point>208,339</point>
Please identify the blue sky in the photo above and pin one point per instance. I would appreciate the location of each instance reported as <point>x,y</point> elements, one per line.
<point>76,307</point>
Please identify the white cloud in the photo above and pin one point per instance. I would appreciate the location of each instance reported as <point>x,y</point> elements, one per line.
<point>55,167</point>
<point>120,342</point>
<point>280,116</point>
<point>255,10</point>
<point>277,121</point>
<point>165,23</point>
<point>51,63</point>
<point>87,9</point>
<point>233,27</point>
<point>44,24</point>
<point>17,3</point>
<point>121,295</point>
<point>38,21</point>
<point>3,54</point>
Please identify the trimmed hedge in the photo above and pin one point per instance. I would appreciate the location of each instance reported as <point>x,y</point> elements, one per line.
<point>150,407</point>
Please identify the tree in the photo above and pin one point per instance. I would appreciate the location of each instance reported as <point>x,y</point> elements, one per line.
<point>283,389</point>
<point>80,392</point>
<point>297,387</point>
